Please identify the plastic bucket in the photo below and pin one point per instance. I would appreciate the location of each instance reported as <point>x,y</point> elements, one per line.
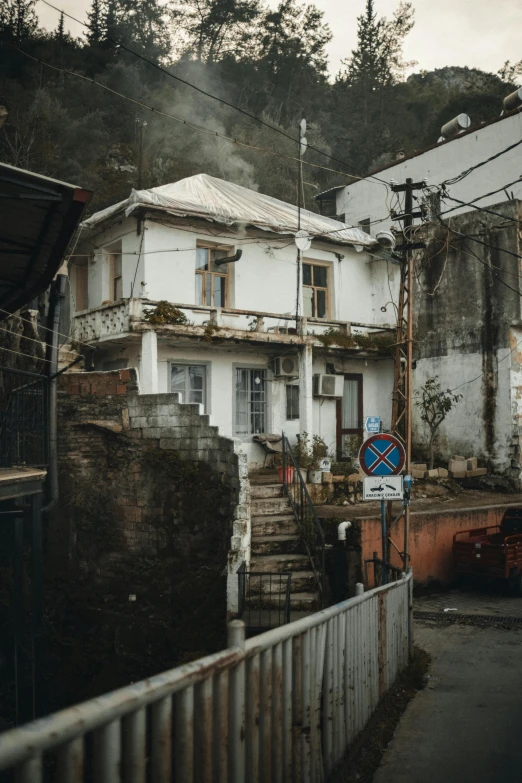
<point>286,475</point>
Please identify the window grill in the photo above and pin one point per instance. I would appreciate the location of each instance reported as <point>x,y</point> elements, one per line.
<point>250,401</point>
<point>23,419</point>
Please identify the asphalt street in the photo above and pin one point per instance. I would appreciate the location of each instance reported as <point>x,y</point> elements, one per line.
<point>466,724</point>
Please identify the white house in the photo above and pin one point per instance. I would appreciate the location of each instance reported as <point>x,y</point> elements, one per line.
<point>235,345</point>
<point>467,290</point>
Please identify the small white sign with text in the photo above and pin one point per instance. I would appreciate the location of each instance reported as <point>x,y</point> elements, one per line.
<point>382,488</point>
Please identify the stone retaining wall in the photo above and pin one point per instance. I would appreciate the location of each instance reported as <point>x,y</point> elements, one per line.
<point>128,461</point>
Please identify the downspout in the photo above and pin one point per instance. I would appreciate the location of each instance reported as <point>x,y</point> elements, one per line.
<point>57,297</point>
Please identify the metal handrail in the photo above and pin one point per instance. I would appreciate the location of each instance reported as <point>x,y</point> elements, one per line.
<point>230,707</point>
<point>304,510</point>
<point>255,605</point>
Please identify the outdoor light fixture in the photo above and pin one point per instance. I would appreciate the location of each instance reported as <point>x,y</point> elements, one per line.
<point>385,239</point>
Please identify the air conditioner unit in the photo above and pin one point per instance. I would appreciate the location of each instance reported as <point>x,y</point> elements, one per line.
<point>328,385</point>
<point>286,366</point>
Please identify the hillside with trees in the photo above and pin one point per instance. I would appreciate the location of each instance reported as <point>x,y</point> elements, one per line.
<point>77,108</point>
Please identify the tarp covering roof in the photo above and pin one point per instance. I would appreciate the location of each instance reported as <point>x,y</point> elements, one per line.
<point>223,202</point>
<point>39,217</point>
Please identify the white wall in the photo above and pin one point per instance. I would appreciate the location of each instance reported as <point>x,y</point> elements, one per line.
<point>369,199</point>
<point>264,279</point>
<point>221,363</point>
<point>98,263</point>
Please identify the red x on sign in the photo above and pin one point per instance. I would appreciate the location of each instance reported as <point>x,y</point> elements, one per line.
<point>382,455</point>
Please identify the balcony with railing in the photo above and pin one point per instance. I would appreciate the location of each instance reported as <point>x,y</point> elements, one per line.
<point>132,316</point>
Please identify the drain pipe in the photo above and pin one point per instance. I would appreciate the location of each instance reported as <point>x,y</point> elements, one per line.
<point>58,295</point>
<point>341,530</point>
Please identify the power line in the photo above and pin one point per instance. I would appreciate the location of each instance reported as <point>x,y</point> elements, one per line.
<point>491,193</point>
<point>27,355</point>
<point>467,172</point>
<point>489,266</point>
<point>160,113</point>
<point>474,206</point>
<point>484,244</point>
<point>499,361</point>
<point>220,100</point>
<point>45,329</point>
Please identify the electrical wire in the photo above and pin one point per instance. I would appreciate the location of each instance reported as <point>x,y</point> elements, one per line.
<point>189,124</point>
<point>445,195</point>
<point>139,259</point>
<point>45,328</point>
<point>488,266</point>
<point>485,195</point>
<point>220,100</point>
<point>467,172</point>
<point>499,361</point>
<point>27,355</point>
<point>484,244</point>
<point>22,337</point>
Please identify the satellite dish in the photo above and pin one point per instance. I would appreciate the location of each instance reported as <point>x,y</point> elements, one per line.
<point>303,240</point>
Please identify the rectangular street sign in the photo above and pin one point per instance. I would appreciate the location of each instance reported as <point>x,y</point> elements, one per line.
<point>372,424</point>
<point>382,488</point>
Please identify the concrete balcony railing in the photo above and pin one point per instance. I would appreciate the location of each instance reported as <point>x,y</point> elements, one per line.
<point>118,319</point>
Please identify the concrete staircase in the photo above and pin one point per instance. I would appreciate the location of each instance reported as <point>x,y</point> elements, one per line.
<point>276,546</point>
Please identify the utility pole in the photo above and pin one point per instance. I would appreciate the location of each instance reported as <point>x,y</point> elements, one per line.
<point>141,126</point>
<point>403,380</point>
<point>301,242</point>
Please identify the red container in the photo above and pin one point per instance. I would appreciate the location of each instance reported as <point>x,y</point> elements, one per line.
<point>288,478</point>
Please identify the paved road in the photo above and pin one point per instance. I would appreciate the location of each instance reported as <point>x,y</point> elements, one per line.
<point>486,599</point>
<point>466,725</point>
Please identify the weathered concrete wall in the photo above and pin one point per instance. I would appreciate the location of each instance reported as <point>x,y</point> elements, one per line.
<point>153,497</point>
<point>431,540</point>
<point>466,301</point>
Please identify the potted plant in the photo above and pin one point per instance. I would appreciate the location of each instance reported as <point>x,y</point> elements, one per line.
<point>319,452</point>
<point>303,455</point>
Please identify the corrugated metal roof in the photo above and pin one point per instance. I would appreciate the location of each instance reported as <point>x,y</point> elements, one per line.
<point>214,199</point>
<point>39,217</point>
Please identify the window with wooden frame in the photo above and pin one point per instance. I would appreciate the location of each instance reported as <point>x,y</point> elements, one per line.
<point>211,281</point>
<point>315,290</point>
<point>115,272</point>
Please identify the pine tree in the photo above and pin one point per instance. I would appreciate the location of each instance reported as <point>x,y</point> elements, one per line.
<point>18,20</point>
<point>60,30</point>
<point>377,60</point>
<point>95,23</point>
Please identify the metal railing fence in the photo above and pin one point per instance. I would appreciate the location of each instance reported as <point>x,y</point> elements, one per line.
<point>263,598</point>
<point>23,418</point>
<point>284,706</point>
<point>310,529</point>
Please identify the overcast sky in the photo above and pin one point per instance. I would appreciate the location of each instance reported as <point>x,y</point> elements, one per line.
<point>477,33</point>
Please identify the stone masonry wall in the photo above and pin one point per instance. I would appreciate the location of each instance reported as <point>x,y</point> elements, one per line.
<point>154,501</point>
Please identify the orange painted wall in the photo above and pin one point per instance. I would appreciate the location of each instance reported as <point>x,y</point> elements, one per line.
<point>431,540</point>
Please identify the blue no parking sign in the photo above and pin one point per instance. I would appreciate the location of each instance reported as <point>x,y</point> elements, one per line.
<point>382,455</point>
